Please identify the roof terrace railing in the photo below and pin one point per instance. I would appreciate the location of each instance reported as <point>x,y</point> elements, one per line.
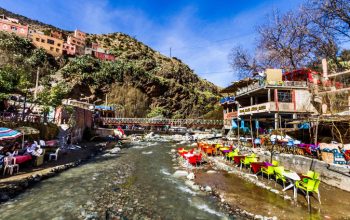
<point>275,84</point>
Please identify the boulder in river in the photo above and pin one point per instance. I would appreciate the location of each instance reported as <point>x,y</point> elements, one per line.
<point>180,173</point>
<point>190,176</point>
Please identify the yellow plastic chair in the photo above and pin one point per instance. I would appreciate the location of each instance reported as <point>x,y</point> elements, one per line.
<point>269,171</point>
<point>279,175</point>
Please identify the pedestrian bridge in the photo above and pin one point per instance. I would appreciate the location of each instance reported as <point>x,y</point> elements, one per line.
<point>163,122</point>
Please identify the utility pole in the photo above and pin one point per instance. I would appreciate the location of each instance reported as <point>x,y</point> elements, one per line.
<point>170,52</point>
<point>106,99</point>
<point>36,83</point>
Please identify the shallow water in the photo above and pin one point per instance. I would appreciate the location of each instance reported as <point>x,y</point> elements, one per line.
<point>67,195</point>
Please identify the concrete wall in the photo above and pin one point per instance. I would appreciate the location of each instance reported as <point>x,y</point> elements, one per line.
<point>303,101</point>
<point>301,164</point>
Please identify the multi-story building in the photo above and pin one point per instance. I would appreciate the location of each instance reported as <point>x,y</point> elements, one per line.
<point>270,100</point>
<point>12,25</point>
<point>73,50</point>
<point>75,43</point>
<point>53,46</point>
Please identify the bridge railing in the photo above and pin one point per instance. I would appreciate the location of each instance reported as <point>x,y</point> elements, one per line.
<point>152,121</point>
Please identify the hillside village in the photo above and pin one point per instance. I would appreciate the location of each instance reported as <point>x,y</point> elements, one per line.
<point>55,42</point>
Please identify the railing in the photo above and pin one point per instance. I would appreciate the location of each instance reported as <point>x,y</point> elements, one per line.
<point>274,84</point>
<point>267,107</point>
<point>75,103</point>
<point>150,121</point>
<point>16,117</point>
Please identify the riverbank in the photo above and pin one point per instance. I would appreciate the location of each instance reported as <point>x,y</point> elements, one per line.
<point>12,186</point>
<point>241,191</point>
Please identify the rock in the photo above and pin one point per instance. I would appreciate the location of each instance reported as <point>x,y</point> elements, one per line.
<point>180,173</point>
<point>211,171</point>
<point>287,197</point>
<point>190,176</point>
<point>173,150</point>
<point>258,217</point>
<point>4,197</point>
<point>115,150</point>
<point>208,189</point>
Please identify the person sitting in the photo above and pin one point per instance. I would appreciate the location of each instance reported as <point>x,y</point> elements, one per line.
<point>31,148</point>
<point>37,152</point>
<point>13,150</point>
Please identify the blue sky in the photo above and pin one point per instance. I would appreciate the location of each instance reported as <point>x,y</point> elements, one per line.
<point>200,32</point>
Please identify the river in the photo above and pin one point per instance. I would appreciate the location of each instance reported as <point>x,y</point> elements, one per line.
<point>138,183</point>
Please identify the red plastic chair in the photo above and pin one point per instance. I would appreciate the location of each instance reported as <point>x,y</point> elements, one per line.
<point>192,160</point>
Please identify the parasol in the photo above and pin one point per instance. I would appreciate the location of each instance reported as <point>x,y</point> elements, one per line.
<point>8,134</point>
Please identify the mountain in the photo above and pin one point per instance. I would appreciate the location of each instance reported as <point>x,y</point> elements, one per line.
<point>141,82</point>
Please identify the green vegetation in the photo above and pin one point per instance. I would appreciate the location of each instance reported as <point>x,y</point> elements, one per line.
<point>138,80</point>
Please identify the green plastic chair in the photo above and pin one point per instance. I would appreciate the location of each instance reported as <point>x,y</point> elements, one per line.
<point>231,154</point>
<point>279,175</point>
<point>311,186</point>
<point>275,163</point>
<point>270,170</point>
<point>313,175</point>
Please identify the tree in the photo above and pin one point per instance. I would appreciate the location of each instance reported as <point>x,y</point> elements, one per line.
<point>243,62</point>
<point>335,12</point>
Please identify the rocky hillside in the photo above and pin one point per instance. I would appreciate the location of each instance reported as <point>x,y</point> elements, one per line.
<point>141,82</point>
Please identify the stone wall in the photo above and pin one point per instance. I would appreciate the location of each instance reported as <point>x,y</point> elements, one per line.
<point>330,173</point>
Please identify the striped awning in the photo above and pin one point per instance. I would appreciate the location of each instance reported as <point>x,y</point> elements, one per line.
<point>8,134</point>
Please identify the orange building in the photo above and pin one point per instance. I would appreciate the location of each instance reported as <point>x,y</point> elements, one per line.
<point>53,46</point>
<point>57,34</point>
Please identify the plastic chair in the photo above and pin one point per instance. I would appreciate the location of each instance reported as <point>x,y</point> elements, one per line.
<point>268,171</point>
<point>10,164</point>
<point>275,163</point>
<point>279,175</point>
<point>313,175</point>
<point>311,186</point>
<point>54,155</point>
<point>231,154</point>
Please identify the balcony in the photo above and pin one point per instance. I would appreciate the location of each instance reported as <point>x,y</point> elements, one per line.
<point>272,84</point>
<point>267,107</point>
<point>230,115</point>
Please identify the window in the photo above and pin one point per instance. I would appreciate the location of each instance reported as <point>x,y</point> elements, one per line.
<point>22,31</point>
<point>57,50</point>
<point>49,41</point>
<point>284,96</point>
<point>37,39</point>
<point>51,48</point>
<point>42,41</point>
<point>74,41</point>
<point>58,45</point>
<point>4,27</point>
<point>13,28</point>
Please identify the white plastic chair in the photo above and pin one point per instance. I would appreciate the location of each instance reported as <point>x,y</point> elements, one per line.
<point>10,164</point>
<point>54,155</point>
